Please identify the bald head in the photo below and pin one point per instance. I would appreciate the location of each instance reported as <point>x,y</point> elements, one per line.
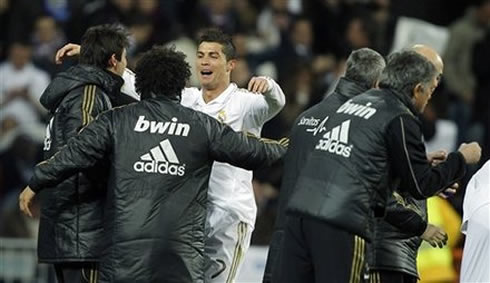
<point>430,54</point>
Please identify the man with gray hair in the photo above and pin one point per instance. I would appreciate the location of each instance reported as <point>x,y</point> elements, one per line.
<point>364,67</point>
<point>370,145</point>
<point>399,234</point>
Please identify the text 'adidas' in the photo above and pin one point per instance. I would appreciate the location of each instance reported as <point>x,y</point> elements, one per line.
<point>336,140</point>
<point>161,159</point>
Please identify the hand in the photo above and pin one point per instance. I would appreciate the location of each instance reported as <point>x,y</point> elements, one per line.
<point>471,152</point>
<point>435,236</point>
<point>284,142</point>
<point>68,50</point>
<point>449,192</point>
<point>436,157</point>
<point>25,200</point>
<point>258,84</point>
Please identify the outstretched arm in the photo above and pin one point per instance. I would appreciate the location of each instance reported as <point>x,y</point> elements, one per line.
<point>81,152</point>
<point>410,165</point>
<point>240,149</point>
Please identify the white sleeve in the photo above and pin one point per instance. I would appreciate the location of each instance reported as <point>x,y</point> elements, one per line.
<point>189,96</point>
<point>477,194</point>
<point>261,108</point>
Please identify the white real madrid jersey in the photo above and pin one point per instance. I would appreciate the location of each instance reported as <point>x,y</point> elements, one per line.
<point>231,187</point>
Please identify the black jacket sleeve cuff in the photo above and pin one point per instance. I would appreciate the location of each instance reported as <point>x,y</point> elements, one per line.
<point>415,226</point>
<point>461,162</point>
<point>35,187</point>
<point>421,228</point>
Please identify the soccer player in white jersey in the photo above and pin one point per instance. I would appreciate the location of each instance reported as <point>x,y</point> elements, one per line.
<point>476,227</point>
<point>231,207</point>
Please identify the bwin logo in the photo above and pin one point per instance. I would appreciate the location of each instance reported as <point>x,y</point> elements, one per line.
<point>335,140</point>
<point>358,110</point>
<point>161,159</point>
<point>169,128</point>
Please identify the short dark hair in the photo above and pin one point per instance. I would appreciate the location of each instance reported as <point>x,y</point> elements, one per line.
<point>161,71</point>
<point>404,70</point>
<point>100,42</point>
<point>364,67</point>
<point>216,35</point>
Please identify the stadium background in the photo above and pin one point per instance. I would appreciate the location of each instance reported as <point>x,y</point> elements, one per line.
<point>302,44</point>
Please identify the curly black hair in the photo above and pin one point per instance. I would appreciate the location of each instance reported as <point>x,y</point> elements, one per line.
<point>161,71</point>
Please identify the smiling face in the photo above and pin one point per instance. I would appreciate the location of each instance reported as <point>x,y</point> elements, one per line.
<point>212,67</point>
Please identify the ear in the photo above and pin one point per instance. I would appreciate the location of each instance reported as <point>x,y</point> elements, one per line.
<point>418,90</point>
<point>230,65</point>
<point>112,61</point>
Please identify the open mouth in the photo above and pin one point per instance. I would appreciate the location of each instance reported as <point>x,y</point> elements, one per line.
<point>206,73</point>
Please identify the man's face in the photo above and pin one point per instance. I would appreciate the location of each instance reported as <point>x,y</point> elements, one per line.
<point>423,93</point>
<point>212,68</point>
<point>121,65</point>
<point>20,55</point>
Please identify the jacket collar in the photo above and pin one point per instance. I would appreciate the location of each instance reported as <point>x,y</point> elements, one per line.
<point>113,86</point>
<point>165,98</point>
<point>407,101</point>
<point>349,88</point>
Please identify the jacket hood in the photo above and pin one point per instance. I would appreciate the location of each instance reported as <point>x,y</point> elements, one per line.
<point>75,77</point>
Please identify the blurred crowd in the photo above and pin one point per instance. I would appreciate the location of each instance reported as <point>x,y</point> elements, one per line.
<point>302,44</point>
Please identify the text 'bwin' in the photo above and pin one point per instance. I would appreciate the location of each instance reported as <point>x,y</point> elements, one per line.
<point>169,128</point>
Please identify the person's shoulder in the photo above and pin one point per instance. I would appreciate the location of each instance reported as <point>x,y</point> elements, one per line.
<point>484,171</point>
<point>241,96</point>
<point>191,114</point>
<point>189,96</point>
<point>244,92</point>
<point>191,91</point>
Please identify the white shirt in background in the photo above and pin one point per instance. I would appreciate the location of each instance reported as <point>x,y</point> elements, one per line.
<point>30,77</point>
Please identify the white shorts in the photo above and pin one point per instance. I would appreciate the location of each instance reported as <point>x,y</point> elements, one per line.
<point>227,241</point>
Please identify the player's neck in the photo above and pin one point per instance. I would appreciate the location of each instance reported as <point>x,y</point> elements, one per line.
<point>211,94</point>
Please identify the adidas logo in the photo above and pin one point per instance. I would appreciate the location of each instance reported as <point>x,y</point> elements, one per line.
<point>161,159</point>
<point>336,140</point>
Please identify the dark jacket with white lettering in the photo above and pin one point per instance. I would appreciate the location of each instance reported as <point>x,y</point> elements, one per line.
<point>160,156</point>
<point>306,130</point>
<point>70,228</point>
<point>372,144</point>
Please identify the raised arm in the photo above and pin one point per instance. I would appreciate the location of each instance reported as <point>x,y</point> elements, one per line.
<point>410,165</point>
<point>262,108</point>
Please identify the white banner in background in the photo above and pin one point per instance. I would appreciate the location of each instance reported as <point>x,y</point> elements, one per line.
<point>411,31</point>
